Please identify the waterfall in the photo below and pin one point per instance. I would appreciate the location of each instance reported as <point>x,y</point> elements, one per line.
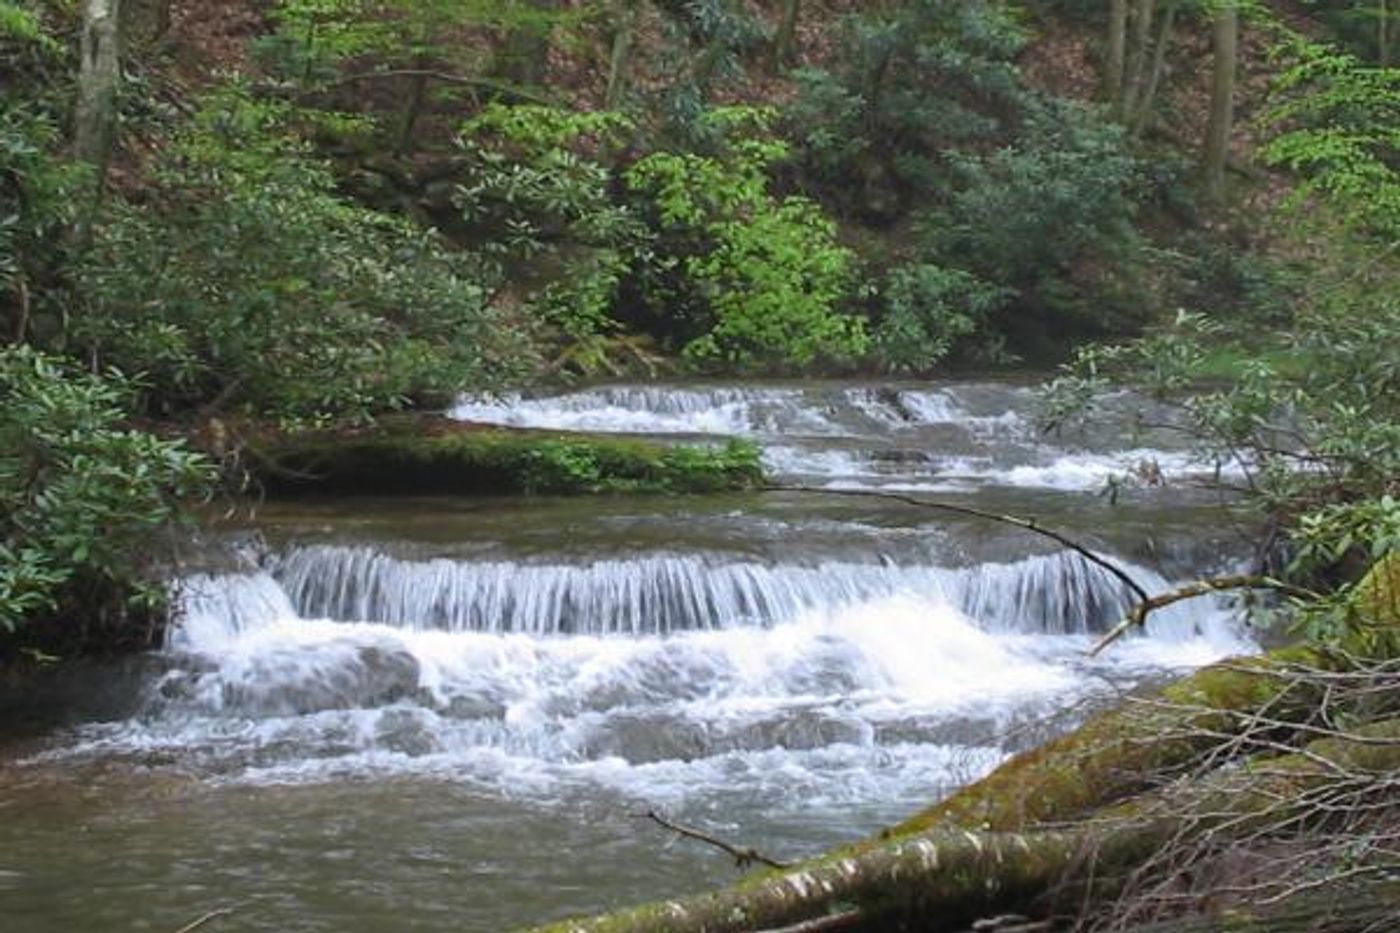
<point>1054,594</point>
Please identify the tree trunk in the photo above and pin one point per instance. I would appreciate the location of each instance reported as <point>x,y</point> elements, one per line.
<point>418,91</point>
<point>95,117</point>
<point>624,16</point>
<point>1117,47</point>
<point>99,71</point>
<point>1383,33</point>
<point>1216,149</point>
<point>1133,83</point>
<point>943,879</point>
<point>1154,78</point>
<point>785,39</point>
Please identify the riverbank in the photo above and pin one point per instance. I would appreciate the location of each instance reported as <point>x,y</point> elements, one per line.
<point>420,455</point>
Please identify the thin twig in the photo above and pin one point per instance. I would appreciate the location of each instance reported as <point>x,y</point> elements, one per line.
<point>743,856</point>
<point>846,920</point>
<point>201,920</point>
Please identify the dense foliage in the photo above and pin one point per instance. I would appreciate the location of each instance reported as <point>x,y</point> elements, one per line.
<point>746,278</point>
<point>80,495</point>
<point>245,282</point>
<point>376,203</point>
<point>1315,428</point>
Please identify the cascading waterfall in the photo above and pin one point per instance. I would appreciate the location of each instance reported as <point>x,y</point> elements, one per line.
<point>350,658</point>
<point>1056,594</point>
<point>474,682</point>
<point>355,657</point>
<point>951,438</point>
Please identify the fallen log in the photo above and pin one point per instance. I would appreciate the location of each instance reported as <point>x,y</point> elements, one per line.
<point>1080,819</point>
<point>1125,750</point>
<point>944,879</point>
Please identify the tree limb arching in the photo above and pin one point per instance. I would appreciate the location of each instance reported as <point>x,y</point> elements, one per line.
<point>1137,616</point>
<point>1016,521</point>
<point>1145,605</point>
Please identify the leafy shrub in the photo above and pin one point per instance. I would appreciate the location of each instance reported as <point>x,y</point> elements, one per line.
<point>243,280</point>
<point>1319,442</point>
<point>912,82</point>
<point>537,192</point>
<point>1337,124</point>
<point>81,497</point>
<point>38,192</point>
<point>927,311</point>
<point>737,275</point>
<point>1068,185</point>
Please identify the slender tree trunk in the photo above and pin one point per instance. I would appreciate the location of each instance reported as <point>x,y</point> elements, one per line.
<point>1143,115</point>
<point>624,16</point>
<point>1133,83</point>
<point>95,117</point>
<point>1216,149</point>
<point>785,39</point>
<point>1383,33</point>
<point>418,91</point>
<point>1117,48</point>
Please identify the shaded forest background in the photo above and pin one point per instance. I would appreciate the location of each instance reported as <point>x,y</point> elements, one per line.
<point>306,213</point>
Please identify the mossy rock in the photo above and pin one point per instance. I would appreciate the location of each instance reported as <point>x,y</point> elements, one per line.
<point>419,456</point>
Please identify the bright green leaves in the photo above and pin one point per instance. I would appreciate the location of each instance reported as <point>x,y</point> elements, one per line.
<point>1339,128</point>
<point>757,280</point>
<point>80,496</point>
<point>697,250</point>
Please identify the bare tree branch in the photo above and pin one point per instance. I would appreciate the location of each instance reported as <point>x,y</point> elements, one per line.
<point>743,856</point>
<point>1028,524</point>
<point>846,920</point>
<point>202,919</point>
<point>1137,616</point>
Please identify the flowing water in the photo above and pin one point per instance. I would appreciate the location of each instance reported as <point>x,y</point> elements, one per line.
<point>447,714</point>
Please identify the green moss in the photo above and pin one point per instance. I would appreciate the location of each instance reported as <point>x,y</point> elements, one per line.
<point>1113,754</point>
<point>395,459</point>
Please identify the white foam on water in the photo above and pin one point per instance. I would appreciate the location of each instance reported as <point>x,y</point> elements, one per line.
<point>654,410</point>
<point>942,407</point>
<point>1065,472</point>
<point>214,609</point>
<point>745,712</point>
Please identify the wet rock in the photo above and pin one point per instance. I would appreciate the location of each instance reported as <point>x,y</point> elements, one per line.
<point>366,676</point>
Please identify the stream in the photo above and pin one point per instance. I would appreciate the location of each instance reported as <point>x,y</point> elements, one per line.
<point>448,714</point>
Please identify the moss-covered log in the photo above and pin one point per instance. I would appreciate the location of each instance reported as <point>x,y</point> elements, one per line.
<point>1119,752</point>
<point>438,456</point>
<point>941,879</point>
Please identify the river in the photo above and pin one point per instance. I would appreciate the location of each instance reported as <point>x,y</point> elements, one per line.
<point>449,714</point>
